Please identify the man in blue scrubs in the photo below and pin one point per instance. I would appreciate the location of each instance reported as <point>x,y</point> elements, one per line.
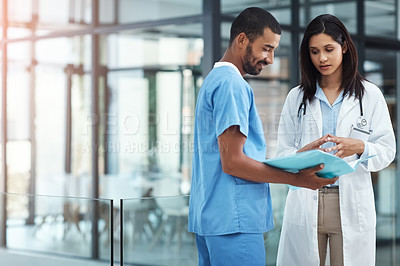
<point>230,204</point>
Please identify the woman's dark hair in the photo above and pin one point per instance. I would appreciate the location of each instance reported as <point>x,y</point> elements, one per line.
<point>252,21</point>
<point>351,78</point>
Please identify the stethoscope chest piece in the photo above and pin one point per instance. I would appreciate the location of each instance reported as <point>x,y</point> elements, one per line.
<point>361,122</point>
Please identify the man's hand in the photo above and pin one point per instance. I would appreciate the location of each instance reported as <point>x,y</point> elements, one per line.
<point>315,144</point>
<point>234,162</point>
<point>307,178</point>
<point>345,146</point>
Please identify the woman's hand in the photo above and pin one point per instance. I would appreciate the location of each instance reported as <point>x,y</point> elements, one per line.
<point>315,144</point>
<point>345,146</point>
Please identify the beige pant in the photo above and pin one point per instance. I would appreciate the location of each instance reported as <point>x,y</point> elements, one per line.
<point>329,227</point>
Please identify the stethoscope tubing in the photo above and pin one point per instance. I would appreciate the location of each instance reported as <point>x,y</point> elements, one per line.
<point>361,121</point>
<point>303,104</point>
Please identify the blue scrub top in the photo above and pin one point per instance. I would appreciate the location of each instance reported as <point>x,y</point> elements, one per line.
<point>220,203</point>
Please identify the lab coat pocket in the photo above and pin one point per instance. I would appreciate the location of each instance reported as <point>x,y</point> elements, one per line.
<point>358,133</point>
<point>365,210</point>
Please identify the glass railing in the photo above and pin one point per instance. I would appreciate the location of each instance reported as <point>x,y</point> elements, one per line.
<point>155,228</point>
<point>63,229</point>
<point>149,230</point>
<point>271,238</point>
<point>155,232</point>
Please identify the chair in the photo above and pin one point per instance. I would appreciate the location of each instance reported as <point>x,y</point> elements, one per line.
<point>139,212</point>
<point>72,215</point>
<point>174,208</point>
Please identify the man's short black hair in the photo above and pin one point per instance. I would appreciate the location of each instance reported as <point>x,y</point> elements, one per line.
<point>252,21</point>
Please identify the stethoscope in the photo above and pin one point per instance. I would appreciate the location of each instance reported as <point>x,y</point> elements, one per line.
<point>301,113</point>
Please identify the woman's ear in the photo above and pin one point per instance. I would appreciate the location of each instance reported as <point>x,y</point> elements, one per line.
<point>344,47</point>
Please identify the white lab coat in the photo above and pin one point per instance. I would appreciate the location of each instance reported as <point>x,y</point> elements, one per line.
<point>299,243</point>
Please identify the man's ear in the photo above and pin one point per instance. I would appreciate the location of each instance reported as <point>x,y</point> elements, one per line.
<point>241,39</point>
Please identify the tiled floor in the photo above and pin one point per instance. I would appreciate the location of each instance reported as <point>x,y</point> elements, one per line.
<point>13,258</point>
<point>48,246</point>
<point>18,258</point>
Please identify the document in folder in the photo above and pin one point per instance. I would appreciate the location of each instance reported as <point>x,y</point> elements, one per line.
<point>333,165</point>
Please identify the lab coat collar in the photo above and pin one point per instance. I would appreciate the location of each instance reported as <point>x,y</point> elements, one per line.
<point>347,104</point>
<point>315,108</point>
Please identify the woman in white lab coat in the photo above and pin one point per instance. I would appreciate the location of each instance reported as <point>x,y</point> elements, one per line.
<point>333,109</point>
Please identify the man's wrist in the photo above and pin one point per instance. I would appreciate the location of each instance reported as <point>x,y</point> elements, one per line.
<point>291,179</point>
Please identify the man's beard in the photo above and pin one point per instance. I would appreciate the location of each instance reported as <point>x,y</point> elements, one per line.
<point>252,70</point>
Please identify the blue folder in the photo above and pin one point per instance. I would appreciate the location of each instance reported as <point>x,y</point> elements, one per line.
<point>333,165</point>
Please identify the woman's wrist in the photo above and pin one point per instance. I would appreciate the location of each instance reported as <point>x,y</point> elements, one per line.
<point>361,148</point>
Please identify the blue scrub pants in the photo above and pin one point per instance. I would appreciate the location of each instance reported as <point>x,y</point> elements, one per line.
<point>235,249</point>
